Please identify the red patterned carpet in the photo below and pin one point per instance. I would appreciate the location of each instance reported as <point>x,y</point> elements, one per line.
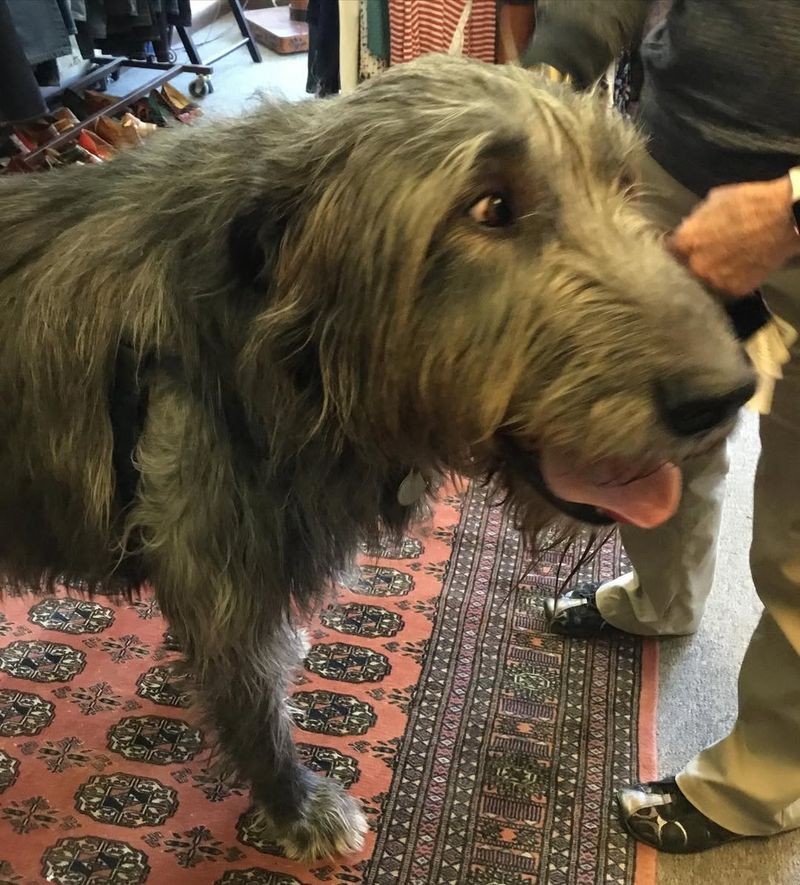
<point>485,751</point>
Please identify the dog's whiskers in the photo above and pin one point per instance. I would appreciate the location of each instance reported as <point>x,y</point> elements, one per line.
<point>533,214</point>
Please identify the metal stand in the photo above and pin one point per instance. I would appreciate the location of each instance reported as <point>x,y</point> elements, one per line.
<point>201,86</point>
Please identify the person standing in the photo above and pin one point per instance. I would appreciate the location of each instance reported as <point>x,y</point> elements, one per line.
<point>720,106</point>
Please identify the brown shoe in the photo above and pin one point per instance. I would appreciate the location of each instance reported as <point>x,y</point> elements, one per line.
<point>115,134</point>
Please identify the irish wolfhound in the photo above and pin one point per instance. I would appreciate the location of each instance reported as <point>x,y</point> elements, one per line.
<point>229,357</point>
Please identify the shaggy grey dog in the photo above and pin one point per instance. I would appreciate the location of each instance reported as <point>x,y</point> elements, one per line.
<point>229,357</point>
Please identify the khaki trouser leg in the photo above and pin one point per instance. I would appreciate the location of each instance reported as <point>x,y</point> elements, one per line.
<point>750,781</point>
<point>674,563</point>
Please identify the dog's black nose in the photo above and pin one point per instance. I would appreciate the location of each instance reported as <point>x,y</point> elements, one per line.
<point>686,415</point>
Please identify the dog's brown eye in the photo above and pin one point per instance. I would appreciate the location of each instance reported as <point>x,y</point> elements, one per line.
<point>492,210</point>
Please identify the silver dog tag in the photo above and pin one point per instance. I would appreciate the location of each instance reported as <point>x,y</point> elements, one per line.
<point>412,488</point>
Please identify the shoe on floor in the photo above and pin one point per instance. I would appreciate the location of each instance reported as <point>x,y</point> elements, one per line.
<point>659,815</point>
<point>575,613</point>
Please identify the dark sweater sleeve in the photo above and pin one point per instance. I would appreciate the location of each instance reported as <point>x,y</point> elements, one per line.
<point>582,37</point>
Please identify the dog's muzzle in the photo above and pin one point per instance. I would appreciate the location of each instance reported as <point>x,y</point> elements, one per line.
<point>748,315</point>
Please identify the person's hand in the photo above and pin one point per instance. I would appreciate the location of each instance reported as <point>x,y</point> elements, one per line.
<point>738,235</point>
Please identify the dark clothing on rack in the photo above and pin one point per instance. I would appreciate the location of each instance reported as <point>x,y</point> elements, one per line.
<point>323,47</point>
<point>65,8</point>
<point>33,33</point>
<point>123,27</point>
<point>719,99</point>
<point>42,28</point>
<point>20,96</point>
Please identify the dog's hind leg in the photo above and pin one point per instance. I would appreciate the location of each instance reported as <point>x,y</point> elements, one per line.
<point>226,603</point>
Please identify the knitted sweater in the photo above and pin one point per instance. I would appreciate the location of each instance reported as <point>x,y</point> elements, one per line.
<point>721,97</point>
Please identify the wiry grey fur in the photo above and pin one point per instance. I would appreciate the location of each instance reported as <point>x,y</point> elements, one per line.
<point>317,263</point>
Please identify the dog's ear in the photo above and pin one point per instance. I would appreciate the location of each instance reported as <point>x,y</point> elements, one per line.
<point>257,239</point>
<point>245,250</point>
<point>253,245</point>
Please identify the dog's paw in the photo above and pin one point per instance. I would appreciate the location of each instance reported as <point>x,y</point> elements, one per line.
<point>332,824</point>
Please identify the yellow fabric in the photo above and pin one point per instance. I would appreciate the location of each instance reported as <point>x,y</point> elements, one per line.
<point>551,73</point>
<point>769,349</point>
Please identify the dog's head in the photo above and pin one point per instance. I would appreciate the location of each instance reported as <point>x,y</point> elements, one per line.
<point>466,280</point>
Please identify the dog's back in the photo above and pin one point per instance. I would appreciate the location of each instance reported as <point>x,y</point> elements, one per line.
<point>80,273</point>
<point>132,254</point>
<point>53,500</point>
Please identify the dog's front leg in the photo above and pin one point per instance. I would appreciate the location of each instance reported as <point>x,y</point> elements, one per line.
<point>244,689</point>
<point>227,601</point>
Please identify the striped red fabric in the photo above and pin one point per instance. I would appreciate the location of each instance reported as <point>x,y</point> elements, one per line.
<point>418,27</point>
